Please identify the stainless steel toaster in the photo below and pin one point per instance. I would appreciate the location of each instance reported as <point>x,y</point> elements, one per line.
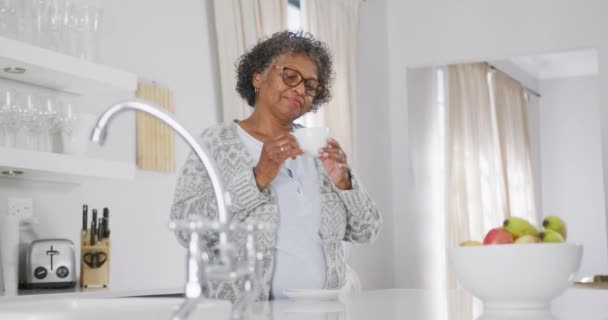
<point>50,263</point>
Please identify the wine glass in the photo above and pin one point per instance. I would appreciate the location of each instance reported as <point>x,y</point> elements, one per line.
<point>12,117</point>
<point>31,118</point>
<point>3,119</point>
<point>8,18</point>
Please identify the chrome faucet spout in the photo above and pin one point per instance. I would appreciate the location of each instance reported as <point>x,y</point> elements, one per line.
<point>185,310</point>
<point>99,134</point>
<point>200,268</point>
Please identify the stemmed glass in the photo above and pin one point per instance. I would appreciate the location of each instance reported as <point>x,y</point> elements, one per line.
<point>3,119</point>
<point>12,117</point>
<point>47,113</point>
<point>81,28</point>
<point>54,24</point>
<point>36,11</point>
<point>34,122</point>
<point>30,117</point>
<point>73,28</point>
<point>91,18</point>
<point>63,122</point>
<point>68,26</point>
<point>58,119</point>
<point>8,18</point>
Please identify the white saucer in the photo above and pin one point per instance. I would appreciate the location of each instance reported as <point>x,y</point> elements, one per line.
<point>312,294</point>
<point>285,306</point>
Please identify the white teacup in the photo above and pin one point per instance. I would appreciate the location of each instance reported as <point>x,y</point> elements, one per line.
<point>312,139</point>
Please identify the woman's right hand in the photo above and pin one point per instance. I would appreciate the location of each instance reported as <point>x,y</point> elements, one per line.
<point>274,153</point>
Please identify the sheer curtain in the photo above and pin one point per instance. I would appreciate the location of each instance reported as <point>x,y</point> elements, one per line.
<point>489,176</point>
<point>476,197</point>
<point>336,23</point>
<point>238,26</point>
<point>512,121</point>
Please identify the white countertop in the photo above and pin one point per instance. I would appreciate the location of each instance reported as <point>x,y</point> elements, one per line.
<point>389,304</point>
<point>43,294</point>
<point>394,304</point>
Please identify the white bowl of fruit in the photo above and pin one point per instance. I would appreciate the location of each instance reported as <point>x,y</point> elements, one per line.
<point>517,266</point>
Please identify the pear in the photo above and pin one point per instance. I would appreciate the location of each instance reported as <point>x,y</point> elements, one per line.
<point>519,227</point>
<point>556,224</point>
<point>551,236</point>
<point>468,243</point>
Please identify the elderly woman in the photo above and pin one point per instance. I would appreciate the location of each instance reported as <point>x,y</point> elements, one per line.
<point>314,202</point>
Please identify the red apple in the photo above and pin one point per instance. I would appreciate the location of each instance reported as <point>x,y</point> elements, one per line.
<point>498,236</point>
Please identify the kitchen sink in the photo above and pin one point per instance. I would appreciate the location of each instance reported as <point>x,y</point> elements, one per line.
<point>109,309</point>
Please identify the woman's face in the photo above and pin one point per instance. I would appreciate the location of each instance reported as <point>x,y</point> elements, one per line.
<point>279,89</point>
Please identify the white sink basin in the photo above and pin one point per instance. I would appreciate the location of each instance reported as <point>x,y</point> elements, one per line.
<point>109,309</point>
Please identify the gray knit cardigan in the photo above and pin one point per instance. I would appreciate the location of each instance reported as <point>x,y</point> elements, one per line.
<point>346,215</point>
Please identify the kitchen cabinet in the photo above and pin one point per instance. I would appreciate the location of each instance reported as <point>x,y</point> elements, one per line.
<point>60,72</point>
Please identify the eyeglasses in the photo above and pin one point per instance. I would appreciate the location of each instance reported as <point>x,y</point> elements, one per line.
<point>293,78</point>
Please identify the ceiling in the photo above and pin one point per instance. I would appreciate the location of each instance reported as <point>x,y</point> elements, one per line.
<point>559,65</point>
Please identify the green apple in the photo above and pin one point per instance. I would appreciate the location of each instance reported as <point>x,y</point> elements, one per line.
<point>551,236</point>
<point>556,224</point>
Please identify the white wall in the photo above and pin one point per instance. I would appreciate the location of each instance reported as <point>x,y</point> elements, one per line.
<point>427,181</point>
<point>158,40</point>
<point>374,262</point>
<point>424,33</point>
<point>535,152</point>
<point>571,158</point>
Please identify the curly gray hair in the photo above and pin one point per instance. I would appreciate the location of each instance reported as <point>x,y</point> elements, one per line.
<point>258,58</point>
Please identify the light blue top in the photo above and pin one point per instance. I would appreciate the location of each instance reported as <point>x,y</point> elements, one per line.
<point>299,256</point>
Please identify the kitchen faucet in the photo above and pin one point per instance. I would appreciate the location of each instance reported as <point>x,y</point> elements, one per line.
<point>200,266</point>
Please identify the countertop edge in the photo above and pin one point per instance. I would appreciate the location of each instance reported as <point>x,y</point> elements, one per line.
<point>29,295</point>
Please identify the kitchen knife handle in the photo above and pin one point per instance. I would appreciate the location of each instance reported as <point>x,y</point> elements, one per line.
<point>106,223</point>
<point>100,229</point>
<point>85,211</point>
<point>93,227</point>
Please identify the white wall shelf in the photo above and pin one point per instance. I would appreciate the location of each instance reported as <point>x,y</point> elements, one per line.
<point>61,72</point>
<point>53,167</point>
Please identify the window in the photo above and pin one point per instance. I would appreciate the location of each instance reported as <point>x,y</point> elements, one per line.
<point>294,19</point>
<point>294,23</point>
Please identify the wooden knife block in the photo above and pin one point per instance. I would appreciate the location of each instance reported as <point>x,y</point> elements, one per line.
<point>89,276</point>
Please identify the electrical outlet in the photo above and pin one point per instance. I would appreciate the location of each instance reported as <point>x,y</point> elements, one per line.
<point>20,207</point>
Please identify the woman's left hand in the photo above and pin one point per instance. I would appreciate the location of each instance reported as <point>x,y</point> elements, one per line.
<point>334,161</point>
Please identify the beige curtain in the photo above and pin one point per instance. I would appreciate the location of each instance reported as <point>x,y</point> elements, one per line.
<point>238,26</point>
<point>336,23</point>
<point>489,174</point>
<point>512,121</point>
<point>476,198</point>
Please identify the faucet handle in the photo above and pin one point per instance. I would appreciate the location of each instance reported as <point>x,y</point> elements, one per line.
<point>252,226</point>
<point>196,224</point>
<point>225,262</point>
